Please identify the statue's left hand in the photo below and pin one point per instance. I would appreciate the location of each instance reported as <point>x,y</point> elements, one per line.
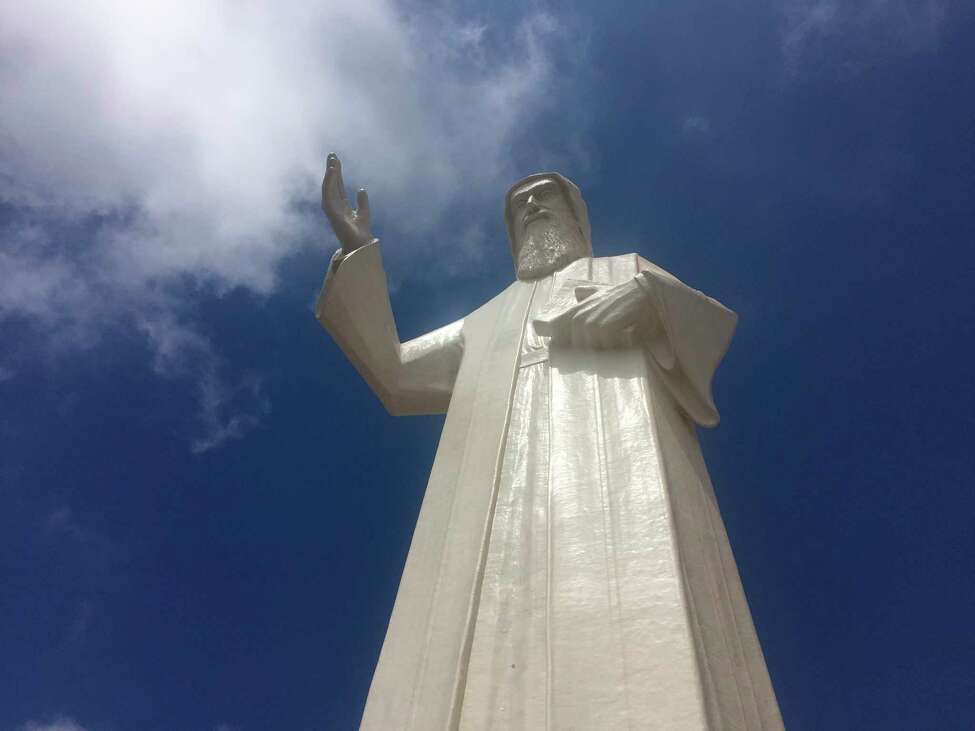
<point>606,319</point>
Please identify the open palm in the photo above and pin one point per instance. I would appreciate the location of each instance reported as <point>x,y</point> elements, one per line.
<point>351,227</point>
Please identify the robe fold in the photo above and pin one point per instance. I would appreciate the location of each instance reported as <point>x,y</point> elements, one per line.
<point>569,567</point>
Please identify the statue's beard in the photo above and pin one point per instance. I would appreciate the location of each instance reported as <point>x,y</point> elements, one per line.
<point>548,249</point>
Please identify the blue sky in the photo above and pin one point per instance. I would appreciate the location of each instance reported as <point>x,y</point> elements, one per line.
<point>205,511</point>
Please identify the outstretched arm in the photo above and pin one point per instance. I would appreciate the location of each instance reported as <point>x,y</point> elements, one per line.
<point>415,377</point>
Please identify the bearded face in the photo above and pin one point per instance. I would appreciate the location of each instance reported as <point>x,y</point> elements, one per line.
<point>546,232</point>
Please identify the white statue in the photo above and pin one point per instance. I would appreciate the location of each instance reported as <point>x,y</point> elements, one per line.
<point>569,568</point>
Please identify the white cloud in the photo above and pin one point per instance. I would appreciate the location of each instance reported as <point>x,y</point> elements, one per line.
<point>228,409</point>
<point>696,126</point>
<point>60,724</point>
<point>829,35</point>
<point>202,124</point>
<point>228,412</point>
<point>61,522</point>
<point>152,142</point>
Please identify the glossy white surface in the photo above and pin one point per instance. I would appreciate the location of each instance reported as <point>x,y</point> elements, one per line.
<point>569,567</point>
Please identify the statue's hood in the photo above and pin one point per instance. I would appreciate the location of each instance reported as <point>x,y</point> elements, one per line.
<point>575,201</point>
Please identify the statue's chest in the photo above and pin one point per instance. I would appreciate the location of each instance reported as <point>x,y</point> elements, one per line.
<point>564,289</point>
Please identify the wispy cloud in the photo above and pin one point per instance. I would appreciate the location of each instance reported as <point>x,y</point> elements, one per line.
<point>62,522</point>
<point>146,145</point>
<point>696,125</point>
<point>228,409</point>
<point>59,724</point>
<point>95,552</point>
<point>828,35</point>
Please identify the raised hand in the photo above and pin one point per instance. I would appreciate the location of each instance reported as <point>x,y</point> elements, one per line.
<point>351,227</point>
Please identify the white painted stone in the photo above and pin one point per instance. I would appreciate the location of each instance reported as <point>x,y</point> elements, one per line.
<point>569,568</point>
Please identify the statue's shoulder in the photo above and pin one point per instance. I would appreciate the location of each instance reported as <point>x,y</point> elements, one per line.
<point>619,260</point>
<point>622,259</point>
<point>642,264</point>
<point>613,268</point>
<point>493,305</point>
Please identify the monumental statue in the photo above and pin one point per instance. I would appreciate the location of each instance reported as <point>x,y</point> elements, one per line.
<point>569,568</point>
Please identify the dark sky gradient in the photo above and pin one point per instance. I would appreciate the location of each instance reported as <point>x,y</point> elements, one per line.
<point>828,199</point>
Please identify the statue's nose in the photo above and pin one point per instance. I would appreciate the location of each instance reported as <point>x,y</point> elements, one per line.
<point>531,204</point>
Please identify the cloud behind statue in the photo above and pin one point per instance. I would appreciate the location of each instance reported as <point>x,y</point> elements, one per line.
<point>146,148</point>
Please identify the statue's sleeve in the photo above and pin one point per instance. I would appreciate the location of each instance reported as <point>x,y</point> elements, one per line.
<point>416,377</point>
<point>694,333</point>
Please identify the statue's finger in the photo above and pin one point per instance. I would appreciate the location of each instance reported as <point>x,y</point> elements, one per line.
<point>339,183</point>
<point>329,191</point>
<point>556,328</point>
<point>362,205</point>
<point>584,291</point>
<point>333,187</point>
<point>325,192</point>
<point>570,325</point>
<point>334,202</point>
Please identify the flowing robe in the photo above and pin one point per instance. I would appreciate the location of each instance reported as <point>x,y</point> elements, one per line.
<point>569,567</point>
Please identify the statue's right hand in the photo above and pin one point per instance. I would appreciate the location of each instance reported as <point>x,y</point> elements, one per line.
<point>351,227</point>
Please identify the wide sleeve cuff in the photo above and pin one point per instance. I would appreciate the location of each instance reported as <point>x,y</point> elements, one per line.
<point>694,334</point>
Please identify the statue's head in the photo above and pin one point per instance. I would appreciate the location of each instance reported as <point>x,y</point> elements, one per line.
<point>548,224</point>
